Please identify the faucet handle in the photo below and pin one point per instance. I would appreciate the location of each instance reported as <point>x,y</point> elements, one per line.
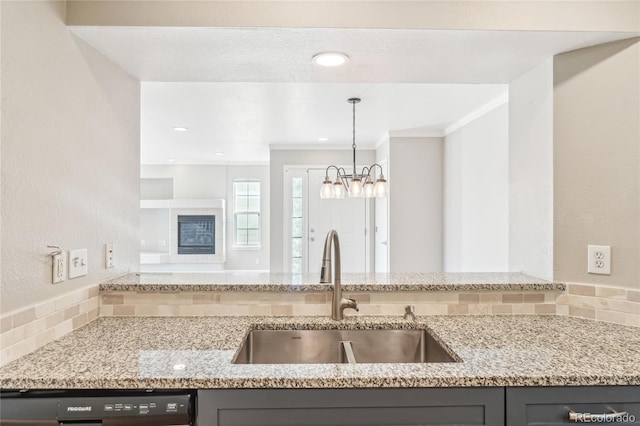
<point>410,313</point>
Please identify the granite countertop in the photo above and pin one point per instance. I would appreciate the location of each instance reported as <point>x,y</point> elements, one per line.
<point>255,281</point>
<point>141,352</point>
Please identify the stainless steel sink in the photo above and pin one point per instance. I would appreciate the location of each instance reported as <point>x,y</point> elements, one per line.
<point>340,346</point>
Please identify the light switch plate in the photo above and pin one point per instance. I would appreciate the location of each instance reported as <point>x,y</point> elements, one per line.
<point>599,260</point>
<point>109,260</point>
<point>78,263</point>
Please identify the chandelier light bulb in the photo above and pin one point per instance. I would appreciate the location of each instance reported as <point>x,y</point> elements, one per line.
<point>369,191</point>
<point>326,190</point>
<point>355,188</point>
<point>338,190</point>
<point>381,187</point>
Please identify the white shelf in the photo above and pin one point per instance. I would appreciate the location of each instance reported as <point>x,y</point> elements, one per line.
<point>154,204</point>
<point>154,257</point>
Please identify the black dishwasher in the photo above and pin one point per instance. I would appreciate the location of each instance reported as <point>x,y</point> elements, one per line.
<point>97,407</point>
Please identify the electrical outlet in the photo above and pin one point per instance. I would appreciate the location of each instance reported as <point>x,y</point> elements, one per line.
<point>109,255</point>
<point>59,267</point>
<point>78,263</point>
<point>599,260</point>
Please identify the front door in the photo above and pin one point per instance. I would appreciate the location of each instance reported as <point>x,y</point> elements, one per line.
<point>348,216</point>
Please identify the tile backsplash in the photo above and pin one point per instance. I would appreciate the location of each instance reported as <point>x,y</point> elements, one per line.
<point>23,331</point>
<point>601,303</point>
<point>130,303</point>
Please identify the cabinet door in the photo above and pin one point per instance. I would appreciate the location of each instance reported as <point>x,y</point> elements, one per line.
<point>551,406</point>
<point>370,407</point>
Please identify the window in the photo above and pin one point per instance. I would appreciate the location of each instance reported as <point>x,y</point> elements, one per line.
<point>296,226</point>
<point>246,202</point>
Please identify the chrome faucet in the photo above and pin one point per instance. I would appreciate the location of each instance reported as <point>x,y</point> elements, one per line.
<point>338,303</point>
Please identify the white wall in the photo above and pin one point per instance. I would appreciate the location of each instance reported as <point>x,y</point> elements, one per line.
<point>156,189</point>
<point>380,241</point>
<point>476,195</point>
<point>214,182</point>
<point>280,158</point>
<point>531,172</point>
<point>382,151</point>
<point>155,230</point>
<point>415,204</point>
<point>596,129</point>
<point>191,181</point>
<point>70,154</point>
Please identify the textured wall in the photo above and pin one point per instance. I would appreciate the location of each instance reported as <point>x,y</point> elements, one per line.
<point>601,15</point>
<point>531,172</point>
<point>596,115</point>
<point>70,154</point>
<point>1,148</point>
<point>476,195</point>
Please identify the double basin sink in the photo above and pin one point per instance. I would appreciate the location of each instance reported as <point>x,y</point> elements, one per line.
<point>340,346</point>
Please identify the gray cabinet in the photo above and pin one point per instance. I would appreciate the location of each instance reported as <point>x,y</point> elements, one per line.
<point>513,406</point>
<point>370,407</point>
<point>551,406</point>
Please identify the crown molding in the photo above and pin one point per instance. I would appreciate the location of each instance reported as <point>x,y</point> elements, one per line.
<point>318,146</point>
<point>488,107</point>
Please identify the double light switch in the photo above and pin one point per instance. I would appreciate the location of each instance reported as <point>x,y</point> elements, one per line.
<point>78,263</point>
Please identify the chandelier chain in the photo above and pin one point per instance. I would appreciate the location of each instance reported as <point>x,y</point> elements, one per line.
<point>354,126</point>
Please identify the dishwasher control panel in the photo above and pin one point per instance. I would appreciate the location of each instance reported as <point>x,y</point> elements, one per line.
<point>130,406</point>
<point>113,407</point>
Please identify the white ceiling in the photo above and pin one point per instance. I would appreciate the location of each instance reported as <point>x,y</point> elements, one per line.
<point>258,87</point>
<point>243,119</point>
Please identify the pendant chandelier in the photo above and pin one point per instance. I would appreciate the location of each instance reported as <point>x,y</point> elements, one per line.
<point>363,184</point>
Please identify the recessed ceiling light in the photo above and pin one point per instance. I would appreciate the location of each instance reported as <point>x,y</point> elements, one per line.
<point>178,367</point>
<point>323,139</point>
<point>330,59</point>
<point>180,129</point>
<point>171,160</point>
<point>219,153</point>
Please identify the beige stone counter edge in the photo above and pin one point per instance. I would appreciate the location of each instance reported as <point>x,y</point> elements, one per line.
<point>333,383</point>
<point>281,282</point>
